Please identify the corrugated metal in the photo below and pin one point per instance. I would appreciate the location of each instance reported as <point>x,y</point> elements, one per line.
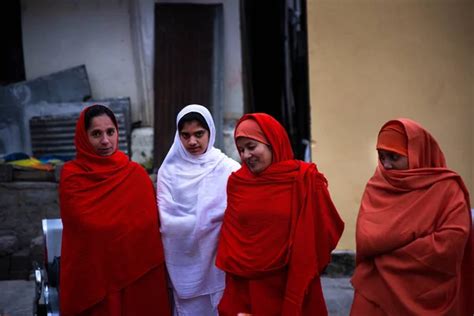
<point>54,135</point>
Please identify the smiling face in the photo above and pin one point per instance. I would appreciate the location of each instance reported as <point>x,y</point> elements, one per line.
<point>103,135</point>
<point>256,155</point>
<point>392,161</point>
<point>194,138</point>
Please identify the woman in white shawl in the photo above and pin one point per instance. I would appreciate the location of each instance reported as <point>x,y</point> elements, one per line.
<point>192,198</point>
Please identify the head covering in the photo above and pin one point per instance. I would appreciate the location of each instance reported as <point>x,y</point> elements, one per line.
<point>191,199</point>
<point>110,226</point>
<point>414,236</point>
<point>392,137</point>
<point>281,219</point>
<point>273,131</point>
<point>250,129</point>
<point>85,153</point>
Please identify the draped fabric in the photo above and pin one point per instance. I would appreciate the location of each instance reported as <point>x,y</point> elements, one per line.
<point>192,199</point>
<point>111,236</point>
<point>414,237</point>
<point>279,229</point>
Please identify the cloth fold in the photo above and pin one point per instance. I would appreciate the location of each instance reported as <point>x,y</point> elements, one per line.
<point>111,234</point>
<point>414,237</point>
<point>278,224</point>
<point>192,199</point>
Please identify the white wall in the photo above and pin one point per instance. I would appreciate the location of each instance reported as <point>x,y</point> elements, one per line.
<point>143,31</point>
<point>59,34</point>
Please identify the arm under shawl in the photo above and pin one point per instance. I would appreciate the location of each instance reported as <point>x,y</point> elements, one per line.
<point>317,232</point>
<point>423,276</point>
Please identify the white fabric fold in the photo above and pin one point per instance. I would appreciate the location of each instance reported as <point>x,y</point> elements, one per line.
<point>191,194</point>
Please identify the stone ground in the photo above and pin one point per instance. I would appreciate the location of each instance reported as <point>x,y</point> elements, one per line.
<point>16,297</point>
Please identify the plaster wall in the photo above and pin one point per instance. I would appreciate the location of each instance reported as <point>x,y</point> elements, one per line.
<point>374,60</point>
<point>60,34</point>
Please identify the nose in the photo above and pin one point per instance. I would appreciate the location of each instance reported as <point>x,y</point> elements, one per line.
<point>246,154</point>
<point>192,140</point>
<point>105,140</point>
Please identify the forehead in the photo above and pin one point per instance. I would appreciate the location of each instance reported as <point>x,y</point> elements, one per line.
<point>192,126</point>
<point>101,122</point>
<point>387,152</point>
<point>245,141</point>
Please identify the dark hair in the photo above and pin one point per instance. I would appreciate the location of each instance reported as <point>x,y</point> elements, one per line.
<point>193,116</point>
<point>98,110</point>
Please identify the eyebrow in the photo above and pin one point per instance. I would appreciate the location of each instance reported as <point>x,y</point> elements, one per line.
<point>198,131</point>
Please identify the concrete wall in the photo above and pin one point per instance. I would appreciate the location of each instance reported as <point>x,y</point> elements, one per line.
<point>115,40</point>
<point>232,98</point>
<point>374,60</point>
<point>59,34</point>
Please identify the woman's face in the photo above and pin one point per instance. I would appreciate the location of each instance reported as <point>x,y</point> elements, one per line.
<point>194,138</point>
<point>392,161</point>
<point>256,155</point>
<point>103,135</point>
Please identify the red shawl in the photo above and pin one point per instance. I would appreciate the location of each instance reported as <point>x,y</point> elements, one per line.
<point>282,218</point>
<point>414,238</point>
<point>111,232</point>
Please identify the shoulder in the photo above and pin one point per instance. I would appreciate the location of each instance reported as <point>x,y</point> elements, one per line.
<point>137,169</point>
<point>232,164</point>
<point>68,169</point>
<point>450,187</point>
<point>310,172</point>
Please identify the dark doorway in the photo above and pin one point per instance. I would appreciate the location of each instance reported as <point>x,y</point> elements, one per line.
<point>275,64</point>
<point>186,65</point>
<point>12,66</point>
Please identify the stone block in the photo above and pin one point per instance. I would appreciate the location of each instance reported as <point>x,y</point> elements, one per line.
<point>8,245</point>
<point>37,250</point>
<point>342,264</point>
<point>4,268</point>
<point>57,172</point>
<point>20,264</point>
<point>6,172</point>
<point>24,204</point>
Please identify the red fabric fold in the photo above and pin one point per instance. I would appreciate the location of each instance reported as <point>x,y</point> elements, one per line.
<point>111,232</point>
<point>278,224</point>
<point>414,237</point>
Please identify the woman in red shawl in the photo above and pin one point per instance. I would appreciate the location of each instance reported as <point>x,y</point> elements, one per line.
<point>414,236</point>
<point>112,257</point>
<point>279,227</point>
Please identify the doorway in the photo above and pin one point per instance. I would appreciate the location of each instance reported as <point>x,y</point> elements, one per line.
<point>187,67</point>
<point>275,65</point>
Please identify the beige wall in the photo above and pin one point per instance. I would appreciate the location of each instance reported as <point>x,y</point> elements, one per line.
<point>374,60</point>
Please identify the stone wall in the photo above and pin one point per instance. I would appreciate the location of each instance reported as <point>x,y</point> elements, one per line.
<point>342,264</point>
<point>24,204</point>
<point>22,207</point>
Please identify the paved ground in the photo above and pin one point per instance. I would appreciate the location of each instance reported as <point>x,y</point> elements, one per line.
<point>16,297</point>
<point>338,293</point>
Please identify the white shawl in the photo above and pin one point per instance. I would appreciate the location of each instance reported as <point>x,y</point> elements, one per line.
<point>191,193</point>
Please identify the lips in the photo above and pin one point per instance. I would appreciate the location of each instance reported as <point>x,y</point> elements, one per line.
<point>195,149</point>
<point>105,150</point>
<point>252,162</point>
